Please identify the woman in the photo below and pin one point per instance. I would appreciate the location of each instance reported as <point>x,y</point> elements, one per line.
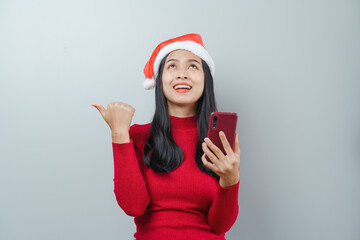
<point>161,175</point>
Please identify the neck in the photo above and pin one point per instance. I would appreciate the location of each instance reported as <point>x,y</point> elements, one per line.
<point>181,111</point>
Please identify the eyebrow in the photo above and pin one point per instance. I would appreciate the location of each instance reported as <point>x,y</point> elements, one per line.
<point>175,60</point>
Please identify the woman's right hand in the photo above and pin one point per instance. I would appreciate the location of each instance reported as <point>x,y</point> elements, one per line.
<point>118,116</point>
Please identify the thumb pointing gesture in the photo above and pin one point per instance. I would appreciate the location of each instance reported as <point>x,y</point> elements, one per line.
<point>118,115</point>
<point>100,108</point>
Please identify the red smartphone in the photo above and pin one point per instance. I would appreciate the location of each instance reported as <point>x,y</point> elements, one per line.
<point>222,121</point>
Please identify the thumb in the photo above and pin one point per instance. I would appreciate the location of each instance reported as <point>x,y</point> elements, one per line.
<point>100,108</point>
<point>237,145</point>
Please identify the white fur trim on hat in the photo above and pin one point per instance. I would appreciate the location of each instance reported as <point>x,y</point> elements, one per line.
<point>191,46</point>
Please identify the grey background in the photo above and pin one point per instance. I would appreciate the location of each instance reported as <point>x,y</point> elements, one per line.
<point>290,69</point>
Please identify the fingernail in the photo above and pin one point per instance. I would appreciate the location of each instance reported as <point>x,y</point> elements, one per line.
<point>206,139</point>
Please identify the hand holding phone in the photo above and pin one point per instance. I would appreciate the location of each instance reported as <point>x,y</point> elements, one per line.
<point>226,164</point>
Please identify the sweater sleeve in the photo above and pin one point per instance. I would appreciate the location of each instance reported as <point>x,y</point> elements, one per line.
<point>224,209</point>
<point>129,185</point>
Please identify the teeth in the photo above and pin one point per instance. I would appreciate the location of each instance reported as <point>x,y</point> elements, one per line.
<point>182,86</point>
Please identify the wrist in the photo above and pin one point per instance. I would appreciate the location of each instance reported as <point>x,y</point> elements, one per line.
<point>228,183</point>
<point>119,132</point>
<point>120,136</point>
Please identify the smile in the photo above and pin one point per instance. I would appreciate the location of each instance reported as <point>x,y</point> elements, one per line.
<point>182,87</point>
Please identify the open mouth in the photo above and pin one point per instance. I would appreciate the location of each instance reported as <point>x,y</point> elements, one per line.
<point>182,86</point>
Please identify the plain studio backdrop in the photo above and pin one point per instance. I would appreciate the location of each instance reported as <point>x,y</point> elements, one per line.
<point>290,69</point>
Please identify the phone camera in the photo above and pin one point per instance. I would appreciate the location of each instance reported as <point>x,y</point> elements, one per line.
<point>214,122</point>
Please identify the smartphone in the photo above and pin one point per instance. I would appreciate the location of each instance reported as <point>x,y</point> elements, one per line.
<point>222,121</point>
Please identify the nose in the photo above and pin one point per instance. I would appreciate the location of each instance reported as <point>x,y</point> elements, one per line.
<point>182,74</point>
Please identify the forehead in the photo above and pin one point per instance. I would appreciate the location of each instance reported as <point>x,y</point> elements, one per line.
<point>183,54</point>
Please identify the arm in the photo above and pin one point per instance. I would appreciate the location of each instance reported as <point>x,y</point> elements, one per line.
<point>224,209</point>
<point>129,185</point>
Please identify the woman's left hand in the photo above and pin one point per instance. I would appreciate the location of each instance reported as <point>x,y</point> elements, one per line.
<point>227,167</point>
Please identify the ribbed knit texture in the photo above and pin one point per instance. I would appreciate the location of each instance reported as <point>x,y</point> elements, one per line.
<point>183,204</point>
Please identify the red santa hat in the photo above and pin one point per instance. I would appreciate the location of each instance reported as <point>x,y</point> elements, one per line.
<point>191,42</point>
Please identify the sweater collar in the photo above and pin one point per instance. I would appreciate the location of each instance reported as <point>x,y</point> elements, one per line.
<point>183,122</point>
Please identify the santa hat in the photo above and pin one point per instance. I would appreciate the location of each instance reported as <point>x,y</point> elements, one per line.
<point>191,42</point>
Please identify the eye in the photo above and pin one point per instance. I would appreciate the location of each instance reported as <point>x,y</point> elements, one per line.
<point>193,66</point>
<point>171,66</point>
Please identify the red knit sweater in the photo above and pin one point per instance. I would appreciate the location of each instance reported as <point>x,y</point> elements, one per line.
<point>183,204</point>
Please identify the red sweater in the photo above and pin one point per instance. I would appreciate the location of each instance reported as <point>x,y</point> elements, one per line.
<point>183,204</point>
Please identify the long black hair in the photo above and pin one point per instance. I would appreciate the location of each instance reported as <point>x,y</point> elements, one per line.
<point>165,154</point>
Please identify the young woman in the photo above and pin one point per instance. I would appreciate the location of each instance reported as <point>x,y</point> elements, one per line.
<point>161,175</point>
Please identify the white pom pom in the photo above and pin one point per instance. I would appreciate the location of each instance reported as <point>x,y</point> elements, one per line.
<point>149,83</point>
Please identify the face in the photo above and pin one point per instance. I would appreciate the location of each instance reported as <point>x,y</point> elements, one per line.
<point>181,68</point>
